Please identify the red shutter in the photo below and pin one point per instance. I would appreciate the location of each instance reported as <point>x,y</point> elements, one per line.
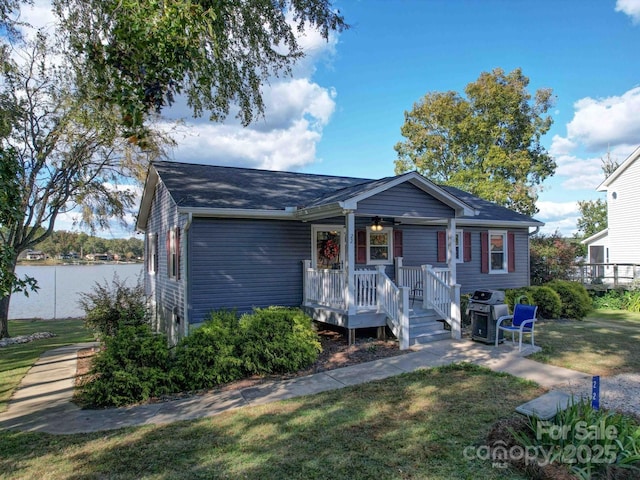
<point>467,247</point>
<point>361,246</point>
<point>511,251</point>
<point>397,243</point>
<point>484,252</point>
<point>442,246</point>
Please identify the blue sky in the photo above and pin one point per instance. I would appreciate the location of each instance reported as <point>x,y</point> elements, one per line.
<point>342,111</point>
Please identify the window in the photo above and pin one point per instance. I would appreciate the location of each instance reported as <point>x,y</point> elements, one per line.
<point>459,253</point>
<point>380,247</point>
<point>497,252</point>
<point>152,253</point>
<point>173,253</point>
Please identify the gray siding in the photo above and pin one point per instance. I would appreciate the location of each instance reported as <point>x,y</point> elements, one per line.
<point>241,264</point>
<point>404,200</point>
<point>167,294</point>
<point>420,247</point>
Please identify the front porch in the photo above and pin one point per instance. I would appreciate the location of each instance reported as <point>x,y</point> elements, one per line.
<point>416,306</point>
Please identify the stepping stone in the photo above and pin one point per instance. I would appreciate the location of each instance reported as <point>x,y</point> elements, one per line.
<point>546,406</point>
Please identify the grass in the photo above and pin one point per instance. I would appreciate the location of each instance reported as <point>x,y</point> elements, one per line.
<point>414,425</point>
<point>15,360</point>
<point>604,343</point>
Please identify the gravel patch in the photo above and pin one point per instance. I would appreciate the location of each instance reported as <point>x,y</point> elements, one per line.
<point>620,392</point>
<point>5,342</point>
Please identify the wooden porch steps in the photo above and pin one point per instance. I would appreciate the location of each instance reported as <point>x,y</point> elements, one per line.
<point>426,326</point>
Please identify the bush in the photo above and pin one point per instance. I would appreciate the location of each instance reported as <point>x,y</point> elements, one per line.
<point>576,302</point>
<point>611,300</point>
<point>210,355</point>
<point>277,340</point>
<point>110,307</point>
<point>133,367</point>
<point>591,443</point>
<point>548,301</point>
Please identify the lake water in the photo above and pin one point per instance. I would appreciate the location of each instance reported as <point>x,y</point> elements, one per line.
<point>61,285</point>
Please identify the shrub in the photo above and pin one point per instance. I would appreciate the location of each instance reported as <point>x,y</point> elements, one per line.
<point>109,307</point>
<point>592,443</point>
<point>611,300</point>
<point>548,301</point>
<point>576,302</point>
<point>209,355</point>
<point>133,367</point>
<point>277,340</point>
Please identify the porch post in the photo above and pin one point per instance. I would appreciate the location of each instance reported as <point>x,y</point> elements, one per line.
<point>306,265</point>
<point>451,250</point>
<point>350,260</point>
<point>456,314</point>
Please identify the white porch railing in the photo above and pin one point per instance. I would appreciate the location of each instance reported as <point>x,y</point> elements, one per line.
<point>325,287</point>
<point>366,295</point>
<point>394,302</point>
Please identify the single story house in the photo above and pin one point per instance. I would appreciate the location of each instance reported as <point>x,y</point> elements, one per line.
<point>353,252</point>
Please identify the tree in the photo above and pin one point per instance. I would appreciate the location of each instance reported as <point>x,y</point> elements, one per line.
<point>67,154</point>
<point>594,213</point>
<point>551,258</point>
<point>593,217</point>
<point>487,143</point>
<point>140,55</point>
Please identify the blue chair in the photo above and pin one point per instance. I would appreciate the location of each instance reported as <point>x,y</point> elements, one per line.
<point>522,321</point>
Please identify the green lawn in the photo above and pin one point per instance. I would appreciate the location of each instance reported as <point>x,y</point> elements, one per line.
<point>15,360</point>
<point>411,426</point>
<point>607,342</point>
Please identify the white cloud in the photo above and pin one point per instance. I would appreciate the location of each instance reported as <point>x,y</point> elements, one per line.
<point>600,123</point>
<point>631,8</point>
<point>558,216</point>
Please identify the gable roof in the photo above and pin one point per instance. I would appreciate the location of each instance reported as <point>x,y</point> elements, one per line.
<point>618,171</point>
<point>233,191</point>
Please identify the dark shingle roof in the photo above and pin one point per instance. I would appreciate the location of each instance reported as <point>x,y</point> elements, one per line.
<point>208,186</point>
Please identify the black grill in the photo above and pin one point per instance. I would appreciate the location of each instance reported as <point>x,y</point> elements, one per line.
<point>485,307</point>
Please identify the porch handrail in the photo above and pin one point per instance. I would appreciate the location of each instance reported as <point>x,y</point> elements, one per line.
<point>443,297</point>
<point>366,297</point>
<point>394,303</point>
<point>325,287</point>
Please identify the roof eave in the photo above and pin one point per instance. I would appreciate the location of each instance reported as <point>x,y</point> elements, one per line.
<point>238,213</point>
<point>618,171</point>
<point>595,236</point>
<point>147,199</point>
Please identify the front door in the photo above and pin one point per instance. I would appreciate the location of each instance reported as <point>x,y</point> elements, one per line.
<point>328,247</point>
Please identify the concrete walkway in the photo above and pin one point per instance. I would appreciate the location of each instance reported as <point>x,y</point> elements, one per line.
<point>43,401</point>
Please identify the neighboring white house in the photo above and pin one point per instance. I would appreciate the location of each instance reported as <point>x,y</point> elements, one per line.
<point>619,243</point>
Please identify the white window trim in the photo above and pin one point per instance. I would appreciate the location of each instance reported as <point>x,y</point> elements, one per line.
<point>389,260</point>
<point>152,253</point>
<point>172,260</point>
<point>460,256</point>
<point>505,253</point>
<point>326,228</point>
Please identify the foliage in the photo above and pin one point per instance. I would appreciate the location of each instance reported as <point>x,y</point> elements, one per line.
<point>487,143</point>
<point>108,308</point>
<point>64,243</point>
<point>548,301</point>
<point>610,300</point>
<point>141,55</point>
<point>576,302</point>
<point>590,442</point>
<point>226,348</point>
<point>593,217</point>
<point>67,150</point>
<point>210,355</point>
<point>278,340</point>
<point>551,258</point>
<point>134,366</point>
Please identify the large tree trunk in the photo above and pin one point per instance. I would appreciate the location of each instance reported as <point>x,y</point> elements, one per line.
<point>4,301</point>
<point>4,316</point>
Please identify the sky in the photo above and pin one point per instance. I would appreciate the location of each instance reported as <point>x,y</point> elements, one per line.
<point>341,111</point>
